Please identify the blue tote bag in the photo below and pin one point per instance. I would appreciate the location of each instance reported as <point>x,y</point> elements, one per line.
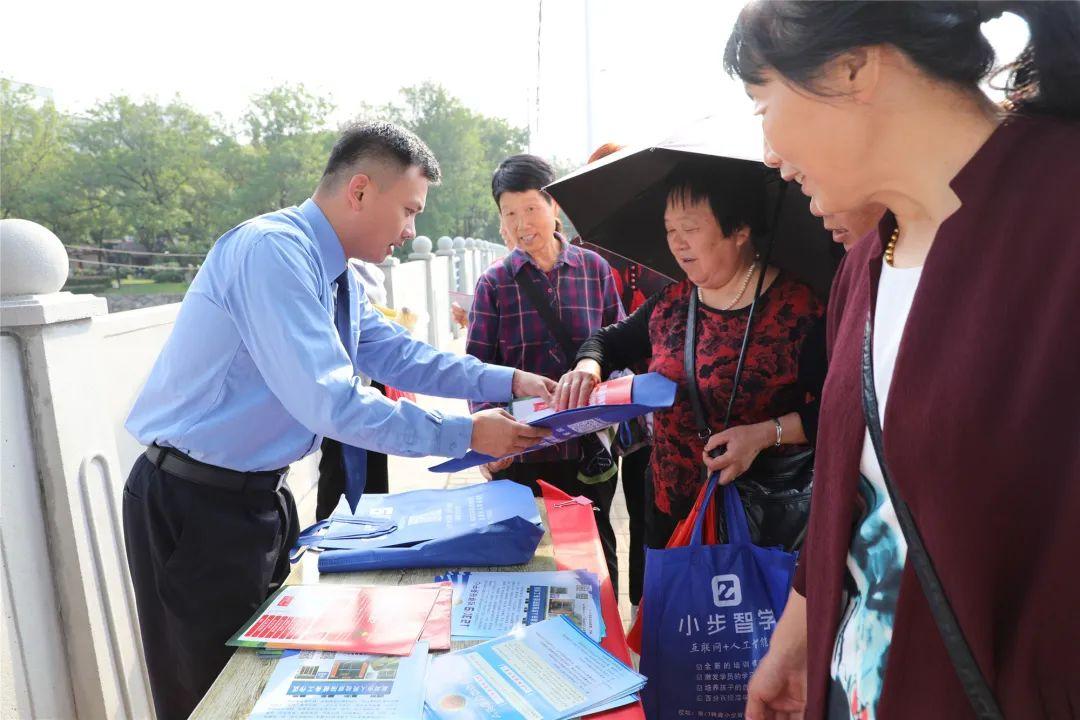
<point>709,612</point>
<point>494,523</point>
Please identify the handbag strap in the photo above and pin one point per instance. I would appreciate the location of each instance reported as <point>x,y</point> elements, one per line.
<point>690,367</point>
<point>543,308</point>
<point>690,356</point>
<point>738,528</point>
<point>690,344</point>
<point>967,669</point>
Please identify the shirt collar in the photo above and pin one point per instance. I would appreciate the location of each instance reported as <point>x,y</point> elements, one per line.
<point>326,239</point>
<point>568,255</point>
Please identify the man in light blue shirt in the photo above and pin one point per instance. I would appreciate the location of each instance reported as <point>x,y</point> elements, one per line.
<point>262,362</point>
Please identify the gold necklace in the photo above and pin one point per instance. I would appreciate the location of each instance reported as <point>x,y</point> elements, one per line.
<point>891,247</point>
<point>742,290</point>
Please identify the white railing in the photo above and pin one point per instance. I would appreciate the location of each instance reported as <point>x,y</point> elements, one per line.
<point>70,373</point>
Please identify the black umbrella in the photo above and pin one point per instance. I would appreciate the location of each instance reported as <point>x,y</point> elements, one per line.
<point>617,203</point>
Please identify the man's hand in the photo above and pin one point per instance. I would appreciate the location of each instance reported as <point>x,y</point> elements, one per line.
<point>576,386</point>
<point>527,384</point>
<point>497,433</point>
<point>777,689</point>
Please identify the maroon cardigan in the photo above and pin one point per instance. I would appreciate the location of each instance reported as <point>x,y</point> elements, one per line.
<point>982,433</point>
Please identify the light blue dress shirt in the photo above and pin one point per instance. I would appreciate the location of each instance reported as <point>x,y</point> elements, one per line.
<point>255,372</point>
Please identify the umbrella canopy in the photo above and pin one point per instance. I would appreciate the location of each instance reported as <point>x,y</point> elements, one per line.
<point>618,203</point>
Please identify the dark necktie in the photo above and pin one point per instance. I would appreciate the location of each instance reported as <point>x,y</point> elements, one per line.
<point>353,459</point>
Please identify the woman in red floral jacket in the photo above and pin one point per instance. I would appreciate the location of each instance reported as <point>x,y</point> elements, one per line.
<point>709,230</point>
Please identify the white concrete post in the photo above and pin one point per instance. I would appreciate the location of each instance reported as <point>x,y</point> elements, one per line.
<point>437,291</point>
<point>473,255</point>
<point>388,266</point>
<point>69,617</point>
<point>485,253</point>
<point>481,257</point>
<point>445,246</point>
<point>465,276</point>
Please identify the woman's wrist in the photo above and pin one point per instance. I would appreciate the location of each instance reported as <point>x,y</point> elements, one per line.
<point>588,365</point>
<point>766,435</point>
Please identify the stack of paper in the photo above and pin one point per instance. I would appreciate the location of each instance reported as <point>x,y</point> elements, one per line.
<point>548,671</point>
<point>387,620</point>
<point>315,684</point>
<point>492,604</point>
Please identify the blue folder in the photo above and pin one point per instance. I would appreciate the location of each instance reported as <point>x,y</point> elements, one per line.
<point>651,391</point>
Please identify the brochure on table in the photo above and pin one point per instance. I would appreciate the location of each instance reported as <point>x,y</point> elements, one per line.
<point>492,604</point>
<point>385,620</point>
<point>547,671</point>
<point>318,684</point>
<point>610,403</point>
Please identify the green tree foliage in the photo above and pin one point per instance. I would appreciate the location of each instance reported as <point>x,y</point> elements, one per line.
<point>33,154</point>
<point>469,146</point>
<point>176,179</point>
<point>151,164</point>
<point>288,150</point>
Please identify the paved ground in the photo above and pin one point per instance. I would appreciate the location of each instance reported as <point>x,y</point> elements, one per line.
<point>412,474</point>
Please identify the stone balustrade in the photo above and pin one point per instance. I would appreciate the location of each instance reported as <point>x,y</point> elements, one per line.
<point>71,371</point>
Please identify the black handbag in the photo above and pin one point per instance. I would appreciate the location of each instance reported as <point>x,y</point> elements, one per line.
<point>975,686</point>
<point>775,489</point>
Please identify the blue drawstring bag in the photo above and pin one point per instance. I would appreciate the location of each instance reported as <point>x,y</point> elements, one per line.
<point>709,612</point>
<point>494,523</point>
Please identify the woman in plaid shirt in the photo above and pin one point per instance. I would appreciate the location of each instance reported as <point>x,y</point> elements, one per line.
<point>505,327</point>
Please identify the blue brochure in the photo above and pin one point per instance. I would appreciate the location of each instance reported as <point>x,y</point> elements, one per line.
<point>491,604</point>
<point>547,671</point>
<point>316,684</point>
<point>495,523</point>
<point>651,391</point>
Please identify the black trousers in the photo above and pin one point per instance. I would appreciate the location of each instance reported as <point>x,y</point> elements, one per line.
<point>659,526</point>
<point>202,560</point>
<point>635,468</point>
<point>332,477</point>
<point>563,475</point>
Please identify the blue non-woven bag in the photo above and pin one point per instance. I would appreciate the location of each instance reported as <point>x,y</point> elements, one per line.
<point>709,612</point>
<point>494,523</point>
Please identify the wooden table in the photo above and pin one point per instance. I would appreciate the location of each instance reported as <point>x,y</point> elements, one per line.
<point>233,694</point>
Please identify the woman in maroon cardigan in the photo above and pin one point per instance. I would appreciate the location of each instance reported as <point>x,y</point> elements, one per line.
<point>974,288</point>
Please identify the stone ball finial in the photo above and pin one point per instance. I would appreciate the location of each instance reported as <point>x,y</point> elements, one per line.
<point>445,243</point>
<point>33,261</point>
<point>421,245</point>
<point>459,243</point>
<point>470,243</point>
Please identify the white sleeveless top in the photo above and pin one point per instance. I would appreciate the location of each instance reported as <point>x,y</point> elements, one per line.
<point>878,551</point>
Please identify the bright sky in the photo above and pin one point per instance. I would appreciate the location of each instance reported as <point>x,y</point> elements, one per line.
<point>655,65</point>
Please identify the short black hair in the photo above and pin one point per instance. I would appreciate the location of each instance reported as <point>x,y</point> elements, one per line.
<point>519,173</point>
<point>736,201</point>
<point>797,38</point>
<point>381,142</point>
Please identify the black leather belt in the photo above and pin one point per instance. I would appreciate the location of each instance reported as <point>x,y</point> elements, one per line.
<point>177,463</point>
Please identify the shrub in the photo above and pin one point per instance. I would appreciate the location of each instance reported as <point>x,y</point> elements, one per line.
<point>168,276</point>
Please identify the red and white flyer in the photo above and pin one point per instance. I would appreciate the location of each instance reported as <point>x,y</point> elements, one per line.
<point>613,392</point>
<point>382,620</point>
